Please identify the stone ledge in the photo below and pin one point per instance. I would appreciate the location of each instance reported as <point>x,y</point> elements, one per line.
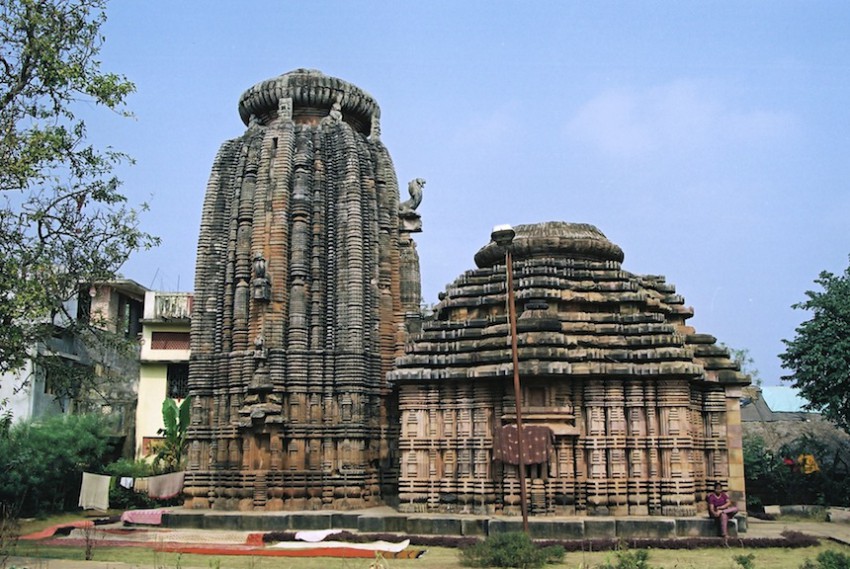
<point>540,528</point>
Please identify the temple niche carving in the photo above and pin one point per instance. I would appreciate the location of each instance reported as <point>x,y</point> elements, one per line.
<point>305,282</point>
<point>317,384</point>
<point>626,409</point>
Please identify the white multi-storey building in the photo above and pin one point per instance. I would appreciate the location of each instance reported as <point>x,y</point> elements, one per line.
<point>164,362</point>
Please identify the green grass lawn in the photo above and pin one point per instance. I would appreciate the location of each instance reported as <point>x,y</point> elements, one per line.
<point>435,558</point>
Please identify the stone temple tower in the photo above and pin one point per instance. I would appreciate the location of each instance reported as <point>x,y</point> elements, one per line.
<point>307,281</point>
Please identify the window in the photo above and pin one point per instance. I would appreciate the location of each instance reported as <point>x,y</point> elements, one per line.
<point>129,314</point>
<point>536,396</point>
<point>169,340</point>
<point>535,471</point>
<point>64,378</point>
<point>177,382</point>
<point>151,445</point>
<point>84,305</point>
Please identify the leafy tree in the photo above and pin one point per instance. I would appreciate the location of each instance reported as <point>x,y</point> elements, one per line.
<point>770,480</point>
<point>63,220</point>
<point>744,359</point>
<point>169,454</point>
<point>819,355</point>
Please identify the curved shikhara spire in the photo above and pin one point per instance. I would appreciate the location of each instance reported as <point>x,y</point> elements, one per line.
<point>298,311</point>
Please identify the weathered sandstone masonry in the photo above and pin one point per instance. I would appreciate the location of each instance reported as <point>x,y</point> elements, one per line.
<point>300,309</point>
<point>316,384</point>
<point>627,410</point>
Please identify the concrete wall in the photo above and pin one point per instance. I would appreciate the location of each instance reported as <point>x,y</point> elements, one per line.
<point>14,399</point>
<point>150,355</point>
<point>30,401</point>
<point>152,384</point>
<point>153,376</point>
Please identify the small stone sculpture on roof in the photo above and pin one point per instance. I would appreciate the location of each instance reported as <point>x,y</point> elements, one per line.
<point>410,221</point>
<point>414,188</point>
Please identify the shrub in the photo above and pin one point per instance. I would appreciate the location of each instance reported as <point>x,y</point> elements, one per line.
<point>745,561</point>
<point>122,498</point>
<point>638,559</point>
<point>510,550</point>
<point>830,559</point>
<point>770,481</point>
<point>41,463</point>
<point>131,468</point>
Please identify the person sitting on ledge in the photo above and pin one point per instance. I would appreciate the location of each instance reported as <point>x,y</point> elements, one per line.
<point>721,508</point>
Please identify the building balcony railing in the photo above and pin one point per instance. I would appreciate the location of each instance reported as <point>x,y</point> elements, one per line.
<point>171,306</point>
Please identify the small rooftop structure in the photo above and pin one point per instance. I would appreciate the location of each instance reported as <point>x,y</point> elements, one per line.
<point>784,398</point>
<point>774,403</point>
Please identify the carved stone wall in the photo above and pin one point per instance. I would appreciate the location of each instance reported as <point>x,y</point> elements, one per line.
<point>628,411</point>
<point>298,310</point>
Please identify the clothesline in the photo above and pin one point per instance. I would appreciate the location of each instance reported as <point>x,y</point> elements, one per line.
<point>94,492</point>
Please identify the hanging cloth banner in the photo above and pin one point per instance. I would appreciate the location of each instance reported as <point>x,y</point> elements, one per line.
<point>94,492</point>
<point>537,444</point>
<point>165,486</point>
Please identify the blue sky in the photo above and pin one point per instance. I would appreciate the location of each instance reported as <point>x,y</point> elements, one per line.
<point>709,140</point>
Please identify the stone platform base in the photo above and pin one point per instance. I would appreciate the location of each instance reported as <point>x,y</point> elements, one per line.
<point>385,520</point>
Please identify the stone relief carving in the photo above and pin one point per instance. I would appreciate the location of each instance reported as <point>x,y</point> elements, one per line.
<point>375,132</point>
<point>260,352</point>
<point>284,108</point>
<point>335,114</point>
<point>260,283</point>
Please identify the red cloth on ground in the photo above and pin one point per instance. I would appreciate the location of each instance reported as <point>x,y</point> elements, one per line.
<point>48,532</point>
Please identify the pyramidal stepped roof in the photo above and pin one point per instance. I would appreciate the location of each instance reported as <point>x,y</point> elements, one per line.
<point>580,315</point>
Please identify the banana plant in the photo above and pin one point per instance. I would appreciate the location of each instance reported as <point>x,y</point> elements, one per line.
<point>175,418</point>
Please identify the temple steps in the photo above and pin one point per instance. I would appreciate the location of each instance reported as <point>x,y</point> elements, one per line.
<point>388,520</point>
